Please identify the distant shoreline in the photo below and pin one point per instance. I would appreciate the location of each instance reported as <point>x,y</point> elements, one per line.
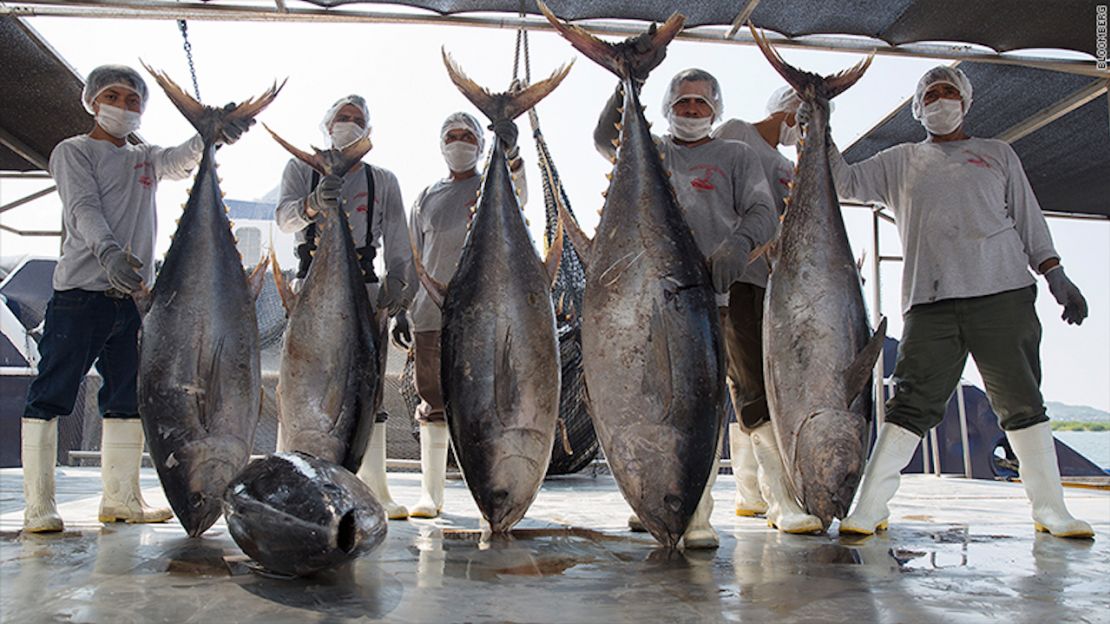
<point>1072,425</point>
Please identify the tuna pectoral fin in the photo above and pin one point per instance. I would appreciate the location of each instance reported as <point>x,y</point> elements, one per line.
<point>859,373</point>
<point>256,277</point>
<point>768,251</point>
<point>143,300</point>
<point>437,290</point>
<point>554,254</point>
<point>621,58</point>
<point>288,297</point>
<point>826,87</point>
<point>578,238</point>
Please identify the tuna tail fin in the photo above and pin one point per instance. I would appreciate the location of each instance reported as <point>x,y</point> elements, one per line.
<point>210,121</point>
<point>555,253</point>
<point>437,290</point>
<point>285,292</point>
<point>508,105</point>
<point>623,58</point>
<point>327,162</point>
<point>859,372</point>
<point>809,85</point>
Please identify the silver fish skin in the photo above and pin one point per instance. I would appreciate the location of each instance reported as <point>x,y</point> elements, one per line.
<point>500,363</point>
<point>200,382</point>
<point>819,349</point>
<point>296,514</point>
<point>329,365</point>
<point>652,355</point>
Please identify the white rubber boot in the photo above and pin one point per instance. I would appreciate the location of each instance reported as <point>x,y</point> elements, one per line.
<point>433,470</point>
<point>893,450</point>
<point>745,471</point>
<point>121,453</point>
<point>40,452</point>
<point>783,511</point>
<point>699,533</point>
<point>635,525</point>
<point>1040,474</point>
<point>372,473</point>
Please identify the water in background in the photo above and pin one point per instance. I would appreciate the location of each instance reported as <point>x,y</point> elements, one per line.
<point>1094,445</point>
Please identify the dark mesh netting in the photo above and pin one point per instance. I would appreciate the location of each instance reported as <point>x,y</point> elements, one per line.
<point>575,440</point>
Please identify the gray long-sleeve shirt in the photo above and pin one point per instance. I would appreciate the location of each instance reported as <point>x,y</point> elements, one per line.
<point>720,186</point>
<point>388,231</point>
<point>779,171</point>
<point>439,227</point>
<point>107,195</point>
<point>967,217</point>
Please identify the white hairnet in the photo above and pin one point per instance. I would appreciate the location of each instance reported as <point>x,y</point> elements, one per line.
<point>694,75</point>
<point>463,121</point>
<point>783,100</point>
<point>357,101</point>
<point>941,73</point>
<point>112,76</point>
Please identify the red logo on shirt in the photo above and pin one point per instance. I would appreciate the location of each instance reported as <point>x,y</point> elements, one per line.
<point>704,182</point>
<point>145,180</point>
<point>979,162</point>
<point>360,207</point>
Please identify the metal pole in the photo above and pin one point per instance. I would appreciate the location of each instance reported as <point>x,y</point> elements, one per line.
<point>935,444</point>
<point>962,409</point>
<point>877,309</point>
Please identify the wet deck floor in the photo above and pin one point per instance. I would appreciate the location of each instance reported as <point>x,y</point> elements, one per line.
<point>958,551</point>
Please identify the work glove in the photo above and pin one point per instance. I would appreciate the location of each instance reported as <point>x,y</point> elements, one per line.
<point>402,335</point>
<point>506,132</point>
<point>326,195</point>
<point>650,58</point>
<point>233,128</point>
<point>391,296</point>
<point>1067,294</point>
<point>122,269</point>
<point>729,261</point>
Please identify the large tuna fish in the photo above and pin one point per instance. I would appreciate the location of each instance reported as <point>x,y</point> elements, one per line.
<point>296,514</point>
<point>200,386</point>
<point>329,365</point>
<point>652,351</point>
<point>500,368</point>
<point>818,347</point>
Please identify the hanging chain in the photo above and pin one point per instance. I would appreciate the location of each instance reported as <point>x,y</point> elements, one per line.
<point>189,54</point>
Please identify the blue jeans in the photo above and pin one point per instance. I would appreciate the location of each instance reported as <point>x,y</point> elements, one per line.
<point>82,327</point>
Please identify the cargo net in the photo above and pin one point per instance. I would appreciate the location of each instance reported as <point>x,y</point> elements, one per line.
<point>575,439</point>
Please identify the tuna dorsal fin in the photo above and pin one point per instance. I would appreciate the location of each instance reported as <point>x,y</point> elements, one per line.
<point>624,57</point>
<point>437,290</point>
<point>256,277</point>
<point>508,105</point>
<point>555,253</point>
<point>288,297</point>
<point>809,85</point>
<point>768,251</point>
<point>859,372</point>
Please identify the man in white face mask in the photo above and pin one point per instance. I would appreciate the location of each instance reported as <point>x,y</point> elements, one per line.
<point>107,187</point>
<point>371,197</point>
<point>438,226</point>
<point>724,195</point>
<point>971,230</point>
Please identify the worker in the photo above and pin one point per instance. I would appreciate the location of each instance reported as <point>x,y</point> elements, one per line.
<point>371,197</point>
<point>107,186</point>
<point>970,225</point>
<point>724,195</point>
<point>438,227</point>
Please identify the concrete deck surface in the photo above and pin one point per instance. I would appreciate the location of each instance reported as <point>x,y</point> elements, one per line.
<point>957,551</point>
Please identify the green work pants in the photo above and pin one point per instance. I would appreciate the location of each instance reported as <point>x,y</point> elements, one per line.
<point>1000,331</point>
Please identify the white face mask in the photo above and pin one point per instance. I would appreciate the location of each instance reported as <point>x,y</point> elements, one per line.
<point>116,121</point>
<point>460,155</point>
<point>344,133</point>
<point>690,128</point>
<point>789,135</point>
<point>942,116</point>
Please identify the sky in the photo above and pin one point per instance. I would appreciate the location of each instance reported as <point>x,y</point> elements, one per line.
<point>398,68</point>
